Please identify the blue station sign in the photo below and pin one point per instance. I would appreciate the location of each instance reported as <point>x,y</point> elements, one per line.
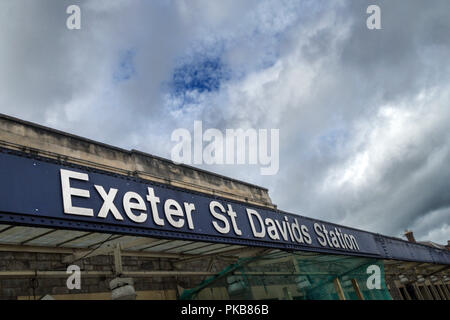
<point>44,192</point>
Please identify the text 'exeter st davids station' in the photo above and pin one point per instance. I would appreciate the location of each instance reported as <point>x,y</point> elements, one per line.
<point>142,227</point>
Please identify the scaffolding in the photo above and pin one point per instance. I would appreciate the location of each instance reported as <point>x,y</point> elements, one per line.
<point>296,276</point>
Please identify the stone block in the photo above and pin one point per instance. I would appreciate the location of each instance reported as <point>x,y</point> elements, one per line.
<point>60,290</point>
<point>14,283</point>
<point>9,293</point>
<point>100,260</point>
<point>24,256</point>
<point>48,257</point>
<point>16,265</point>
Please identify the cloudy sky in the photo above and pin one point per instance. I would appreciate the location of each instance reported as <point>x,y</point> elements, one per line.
<point>364,115</point>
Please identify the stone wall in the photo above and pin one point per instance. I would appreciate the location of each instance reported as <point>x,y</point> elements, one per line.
<point>19,287</point>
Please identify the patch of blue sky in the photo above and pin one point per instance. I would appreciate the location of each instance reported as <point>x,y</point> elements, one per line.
<point>206,65</point>
<point>310,8</point>
<point>271,53</point>
<point>333,140</point>
<point>200,74</point>
<point>125,68</point>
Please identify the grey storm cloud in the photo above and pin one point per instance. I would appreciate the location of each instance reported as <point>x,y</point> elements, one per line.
<point>364,115</point>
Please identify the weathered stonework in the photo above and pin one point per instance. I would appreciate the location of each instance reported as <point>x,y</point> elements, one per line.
<point>39,140</point>
<point>14,288</point>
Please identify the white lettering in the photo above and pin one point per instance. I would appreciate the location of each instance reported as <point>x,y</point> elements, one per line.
<point>128,205</point>
<point>258,234</point>
<point>173,209</point>
<point>226,228</point>
<point>108,204</point>
<point>68,192</point>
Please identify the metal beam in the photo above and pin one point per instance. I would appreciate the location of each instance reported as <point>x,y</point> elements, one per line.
<point>338,287</point>
<point>145,254</point>
<point>6,229</point>
<point>355,285</point>
<point>74,239</point>
<point>39,236</point>
<point>201,246</point>
<point>272,261</point>
<point>35,249</point>
<point>106,250</point>
<point>76,251</point>
<point>233,252</point>
<point>133,274</point>
<point>118,269</point>
<point>101,243</point>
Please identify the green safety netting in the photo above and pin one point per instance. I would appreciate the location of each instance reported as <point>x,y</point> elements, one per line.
<point>296,276</point>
